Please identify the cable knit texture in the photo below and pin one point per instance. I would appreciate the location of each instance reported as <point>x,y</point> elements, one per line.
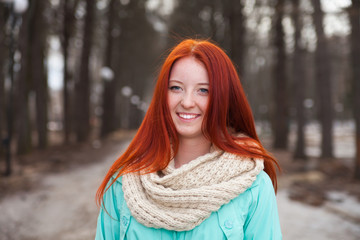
<point>180,199</point>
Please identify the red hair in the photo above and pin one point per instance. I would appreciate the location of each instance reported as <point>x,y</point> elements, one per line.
<point>228,112</point>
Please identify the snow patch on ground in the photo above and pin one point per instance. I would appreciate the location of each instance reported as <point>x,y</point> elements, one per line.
<point>303,222</point>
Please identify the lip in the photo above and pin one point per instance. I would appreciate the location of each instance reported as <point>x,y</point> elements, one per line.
<point>188,117</point>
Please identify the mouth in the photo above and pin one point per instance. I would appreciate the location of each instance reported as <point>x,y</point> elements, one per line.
<point>188,116</point>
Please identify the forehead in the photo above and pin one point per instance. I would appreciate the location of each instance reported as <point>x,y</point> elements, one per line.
<point>190,69</point>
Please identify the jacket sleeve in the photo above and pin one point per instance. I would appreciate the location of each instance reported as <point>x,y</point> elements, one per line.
<point>262,222</point>
<point>108,222</point>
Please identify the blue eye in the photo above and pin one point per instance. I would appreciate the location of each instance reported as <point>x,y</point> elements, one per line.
<point>204,90</point>
<point>175,88</point>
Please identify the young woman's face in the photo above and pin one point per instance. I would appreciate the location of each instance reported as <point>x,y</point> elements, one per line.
<point>188,96</point>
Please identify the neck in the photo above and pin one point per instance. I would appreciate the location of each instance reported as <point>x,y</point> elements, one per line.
<point>190,149</point>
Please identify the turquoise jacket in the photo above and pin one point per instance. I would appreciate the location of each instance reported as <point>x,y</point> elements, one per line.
<point>251,215</point>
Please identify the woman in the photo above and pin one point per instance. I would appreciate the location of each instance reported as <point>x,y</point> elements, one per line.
<point>196,168</point>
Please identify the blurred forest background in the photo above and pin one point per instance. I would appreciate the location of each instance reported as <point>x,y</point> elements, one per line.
<point>78,70</point>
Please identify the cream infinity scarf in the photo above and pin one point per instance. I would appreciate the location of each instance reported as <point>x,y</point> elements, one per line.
<point>180,199</point>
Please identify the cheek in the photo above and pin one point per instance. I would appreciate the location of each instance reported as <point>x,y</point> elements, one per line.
<point>171,101</point>
<point>203,104</point>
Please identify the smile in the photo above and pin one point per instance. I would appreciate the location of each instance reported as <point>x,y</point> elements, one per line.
<point>188,116</point>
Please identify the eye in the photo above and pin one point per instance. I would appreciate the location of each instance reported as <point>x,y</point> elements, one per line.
<point>204,90</point>
<point>175,88</point>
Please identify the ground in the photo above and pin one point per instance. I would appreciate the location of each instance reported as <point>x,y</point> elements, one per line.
<point>51,194</point>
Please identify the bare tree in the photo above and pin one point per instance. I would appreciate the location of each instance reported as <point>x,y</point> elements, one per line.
<point>354,12</point>
<point>299,79</point>
<point>281,118</point>
<point>108,117</point>
<point>23,84</point>
<point>2,72</point>
<point>131,56</point>
<point>234,13</point>
<point>323,83</point>
<point>213,26</point>
<point>83,85</point>
<point>38,70</point>
<point>32,76</point>
<point>68,12</point>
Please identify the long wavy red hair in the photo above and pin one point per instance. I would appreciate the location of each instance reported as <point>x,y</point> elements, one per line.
<point>228,112</point>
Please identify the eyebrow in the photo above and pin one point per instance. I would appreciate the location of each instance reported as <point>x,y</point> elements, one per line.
<point>178,81</point>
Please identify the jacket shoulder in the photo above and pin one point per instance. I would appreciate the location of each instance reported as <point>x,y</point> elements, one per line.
<point>262,181</point>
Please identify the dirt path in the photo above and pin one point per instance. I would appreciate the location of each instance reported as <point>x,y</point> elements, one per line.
<point>63,207</point>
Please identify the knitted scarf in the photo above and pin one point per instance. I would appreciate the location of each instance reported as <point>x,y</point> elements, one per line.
<point>180,199</point>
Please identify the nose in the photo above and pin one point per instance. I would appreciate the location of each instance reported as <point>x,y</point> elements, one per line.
<point>188,101</point>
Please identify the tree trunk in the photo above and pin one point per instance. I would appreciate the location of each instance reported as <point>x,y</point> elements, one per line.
<point>130,51</point>
<point>323,84</point>
<point>354,13</point>
<point>213,27</point>
<point>83,85</point>
<point>7,48</point>
<point>108,117</point>
<point>299,78</point>
<point>237,33</point>
<point>67,31</point>
<point>39,76</point>
<point>281,117</point>
<point>67,23</point>
<point>3,56</point>
<point>23,128</point>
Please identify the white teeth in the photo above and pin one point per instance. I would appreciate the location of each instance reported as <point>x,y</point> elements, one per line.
<point>187,116</point>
